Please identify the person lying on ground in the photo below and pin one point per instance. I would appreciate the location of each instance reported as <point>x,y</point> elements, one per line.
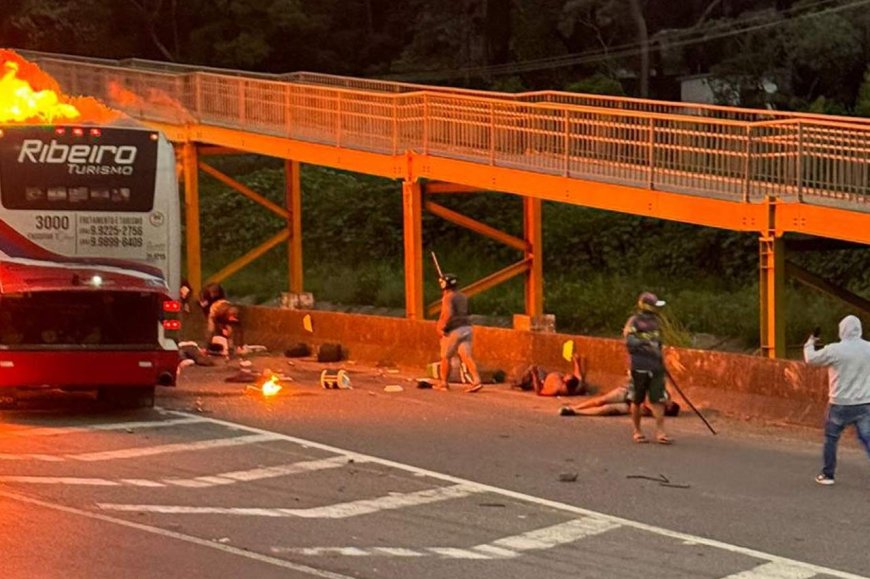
<point>614,403</point>
<point>554,383</point>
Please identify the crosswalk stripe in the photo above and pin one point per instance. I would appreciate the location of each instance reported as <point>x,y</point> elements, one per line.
<point>774,570</point>
<point>58,480</point>
<point>175,447</point>
<point>49,431</point>
<point>198,482</point>
<point>234,477</point>
<point>337,511</point>
<point>556,535</point>
<point>505,548</point>
<point>40,457</point>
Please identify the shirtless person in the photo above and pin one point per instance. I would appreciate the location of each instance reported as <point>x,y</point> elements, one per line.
<point>554,383</point>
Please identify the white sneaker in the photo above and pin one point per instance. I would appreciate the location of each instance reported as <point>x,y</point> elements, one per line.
<point>824,480</point>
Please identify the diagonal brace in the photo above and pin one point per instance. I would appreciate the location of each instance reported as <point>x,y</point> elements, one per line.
<point>476,226</point>
<point>486,283</point>
<point>244,190</point>
<point>249,257</point>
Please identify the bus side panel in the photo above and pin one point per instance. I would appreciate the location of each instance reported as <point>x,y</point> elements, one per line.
<point>87,369</point>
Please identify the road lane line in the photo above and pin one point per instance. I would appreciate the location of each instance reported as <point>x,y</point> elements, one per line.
<point>555,535</point>
<point>337,511</point>
<point>138,452</point>
<point>255,474</point>
<point>774,571</point>
<point>58,480</point>
<point>564,507</point>
<point>49,431</point>
<point>274,561</point>
<point>41,457</point>
<point>228,478</point>
<point>505,548</point>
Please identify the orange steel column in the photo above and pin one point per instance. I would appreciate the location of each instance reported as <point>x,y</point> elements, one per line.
<point>293,189</point>
<point>771,284</point>
<point>534,253</point>
<point>412,207</point>
<point>190,166</point>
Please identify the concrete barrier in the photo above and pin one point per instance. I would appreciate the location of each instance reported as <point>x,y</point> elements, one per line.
<point>734,384</point>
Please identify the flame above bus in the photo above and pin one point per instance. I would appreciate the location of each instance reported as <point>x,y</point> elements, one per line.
<point>29,95</point>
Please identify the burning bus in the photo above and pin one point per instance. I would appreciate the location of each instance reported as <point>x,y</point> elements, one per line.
<point>89,244</point>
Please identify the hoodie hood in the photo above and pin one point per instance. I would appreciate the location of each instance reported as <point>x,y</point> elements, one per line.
<point>850,328</point>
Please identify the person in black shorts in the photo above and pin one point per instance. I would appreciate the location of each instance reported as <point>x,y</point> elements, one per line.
<point>643,340</point>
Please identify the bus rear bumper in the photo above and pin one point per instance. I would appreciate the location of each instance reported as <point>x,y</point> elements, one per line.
<point>83,370</point>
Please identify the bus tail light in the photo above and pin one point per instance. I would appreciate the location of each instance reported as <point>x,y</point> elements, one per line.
<point>172,325</point>
<point>171,306</point>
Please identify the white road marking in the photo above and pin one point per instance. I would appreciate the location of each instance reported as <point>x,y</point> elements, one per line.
<point>774,570</point>
<point>49,431</point>
<point>338,511</point>
<point>176,447</point>
<point>198,482</point>
<point>564,507</point>
<point>234,477</point>
<point>180,537</point>
<point>40,457</point>
<point>57,480</point>
<point>506,548</point>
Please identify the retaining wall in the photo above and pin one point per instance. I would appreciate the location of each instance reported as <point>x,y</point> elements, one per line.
<point>734,384</point>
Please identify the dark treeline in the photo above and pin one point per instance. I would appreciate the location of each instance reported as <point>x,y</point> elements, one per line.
<point>789,54</point>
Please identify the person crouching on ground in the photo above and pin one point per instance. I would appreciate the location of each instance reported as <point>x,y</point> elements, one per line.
<point>848,363</point>
<point>454,327</point>
<point>223,319</point>
<point>643,340</point>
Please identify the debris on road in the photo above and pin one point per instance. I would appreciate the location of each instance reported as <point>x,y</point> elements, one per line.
<point>393,388</point>
<point>330,379</point>
<point>568,477</point>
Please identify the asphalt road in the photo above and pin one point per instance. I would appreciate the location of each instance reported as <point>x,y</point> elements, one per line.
<point>220,482</point>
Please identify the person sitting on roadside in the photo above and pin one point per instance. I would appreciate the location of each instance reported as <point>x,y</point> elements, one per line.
<point>554,383</point>
<point>615,402</point>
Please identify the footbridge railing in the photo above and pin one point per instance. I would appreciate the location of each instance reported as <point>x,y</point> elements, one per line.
<point>794,158</point>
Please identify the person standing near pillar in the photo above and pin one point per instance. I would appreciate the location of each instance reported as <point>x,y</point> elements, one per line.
<point>643,339</point>
<point>848,363</point>
<point>454,327</point>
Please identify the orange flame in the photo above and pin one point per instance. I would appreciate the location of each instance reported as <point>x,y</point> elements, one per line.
<point>29,95</point>
<point>20,103</point>
<point>270,387</point>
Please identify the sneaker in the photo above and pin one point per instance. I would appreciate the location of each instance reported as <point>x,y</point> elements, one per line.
<point>824,480</point>
<point>474,388</point>
<point>567,411</point>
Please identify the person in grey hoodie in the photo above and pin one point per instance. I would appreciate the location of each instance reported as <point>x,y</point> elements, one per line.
<point>848,363</point>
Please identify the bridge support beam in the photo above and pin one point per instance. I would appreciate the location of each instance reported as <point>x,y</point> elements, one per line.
<point>412,208</point>
<point>533,255</point>
<point>293,194</point>
<point>771,284</point>
<point>190,168</point>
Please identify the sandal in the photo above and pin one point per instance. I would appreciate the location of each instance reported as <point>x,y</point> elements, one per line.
<point>639,438</point>
<point>664,439</point>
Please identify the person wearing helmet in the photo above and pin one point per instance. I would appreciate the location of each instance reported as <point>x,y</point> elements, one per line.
<point>454,328</point>
<point>643,339</point>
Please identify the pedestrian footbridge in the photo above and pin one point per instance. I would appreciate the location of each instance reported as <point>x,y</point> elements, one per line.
<point>758,171</point>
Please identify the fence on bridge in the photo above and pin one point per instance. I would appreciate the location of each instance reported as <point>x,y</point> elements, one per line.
<point>734,154</point>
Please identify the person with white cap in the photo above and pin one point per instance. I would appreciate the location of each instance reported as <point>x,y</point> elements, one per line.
<point>643,339</point>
